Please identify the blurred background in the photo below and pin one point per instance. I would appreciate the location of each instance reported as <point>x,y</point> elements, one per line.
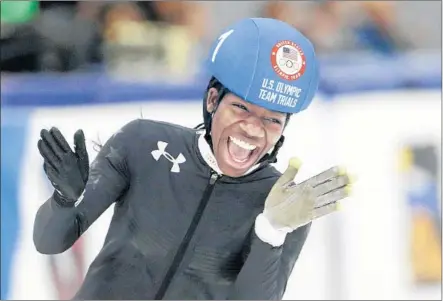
<point>98,65</point>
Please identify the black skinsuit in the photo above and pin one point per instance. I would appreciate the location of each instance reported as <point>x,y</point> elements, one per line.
<point>179,230</point>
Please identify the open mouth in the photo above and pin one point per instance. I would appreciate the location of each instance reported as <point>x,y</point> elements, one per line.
<point>241,152</point>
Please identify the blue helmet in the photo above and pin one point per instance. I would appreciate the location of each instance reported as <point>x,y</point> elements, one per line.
<point>266,62</point>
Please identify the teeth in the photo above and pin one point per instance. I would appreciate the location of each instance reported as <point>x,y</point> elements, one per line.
<point>243,144</point>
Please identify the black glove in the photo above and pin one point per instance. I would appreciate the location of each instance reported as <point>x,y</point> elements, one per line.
<point>67,170</point>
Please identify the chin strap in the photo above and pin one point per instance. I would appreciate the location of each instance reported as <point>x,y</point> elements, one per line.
<point>208,121</point>
<point>272,157</point>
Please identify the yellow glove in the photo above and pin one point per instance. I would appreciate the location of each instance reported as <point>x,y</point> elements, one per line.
<point>290,206</point>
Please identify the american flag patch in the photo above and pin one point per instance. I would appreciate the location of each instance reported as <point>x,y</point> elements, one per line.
<point>289,53</point>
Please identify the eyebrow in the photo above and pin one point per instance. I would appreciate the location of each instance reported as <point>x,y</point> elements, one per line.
<point>271,114</point>
<point>279,115</point>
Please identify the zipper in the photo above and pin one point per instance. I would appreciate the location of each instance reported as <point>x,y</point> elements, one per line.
<point>187,238</point>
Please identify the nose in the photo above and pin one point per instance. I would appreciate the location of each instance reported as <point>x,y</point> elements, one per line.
<point>253,128</point>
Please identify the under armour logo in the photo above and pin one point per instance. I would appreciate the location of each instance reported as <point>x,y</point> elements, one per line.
<point>161,152</point>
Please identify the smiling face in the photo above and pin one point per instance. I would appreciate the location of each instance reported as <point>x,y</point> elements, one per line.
<point>242,133</point>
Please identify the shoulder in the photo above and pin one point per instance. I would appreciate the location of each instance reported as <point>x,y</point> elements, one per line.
<point>271,171</point>
<point>145,128</point>
<point>140,136</point>
<point>261,180</point>
<point>148,125</point>
<point>160,130</point>
<point>268,173</point>
<point>146,134</point>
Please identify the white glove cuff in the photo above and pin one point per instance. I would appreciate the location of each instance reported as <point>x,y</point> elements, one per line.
<point>267,233</point>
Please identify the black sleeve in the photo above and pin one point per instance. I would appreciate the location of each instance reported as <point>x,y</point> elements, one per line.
<point>266,270</point>
<point>56,228</point>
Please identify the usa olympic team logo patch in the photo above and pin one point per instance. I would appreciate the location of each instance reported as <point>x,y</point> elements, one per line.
<point>288,60</point>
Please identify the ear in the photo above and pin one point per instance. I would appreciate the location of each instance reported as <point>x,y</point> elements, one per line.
<point>211,99</point>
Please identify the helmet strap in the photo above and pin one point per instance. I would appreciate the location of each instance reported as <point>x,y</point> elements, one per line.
<point>272,157</point>
<point>208,127</point>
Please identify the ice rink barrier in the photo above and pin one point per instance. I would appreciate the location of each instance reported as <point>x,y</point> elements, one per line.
<point>367,108</point>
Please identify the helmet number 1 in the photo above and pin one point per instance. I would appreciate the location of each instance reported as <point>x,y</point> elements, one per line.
<point>221,39</point>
